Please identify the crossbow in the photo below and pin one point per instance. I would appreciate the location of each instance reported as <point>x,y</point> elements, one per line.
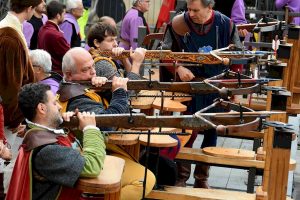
<point>218,56</point>
<point>237,119</point>
<point>263,26</point>
<point>226,84</point>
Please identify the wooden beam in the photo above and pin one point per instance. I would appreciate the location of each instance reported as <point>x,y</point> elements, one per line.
<point>186,193</point>
<point>197,155</point>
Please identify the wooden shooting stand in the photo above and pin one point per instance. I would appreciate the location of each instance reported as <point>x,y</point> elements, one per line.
<point>275,176</point>
<point>108,182</point>
<point>159,140</point>
<point>292,82</point>
<point>229,153</point>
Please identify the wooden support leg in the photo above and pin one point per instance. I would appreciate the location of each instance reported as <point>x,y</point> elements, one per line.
<point>277,166</point>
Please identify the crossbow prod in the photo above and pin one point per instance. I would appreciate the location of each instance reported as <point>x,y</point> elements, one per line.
<point>239,119</point>
<point>226,84</point>
<point>218,56</point>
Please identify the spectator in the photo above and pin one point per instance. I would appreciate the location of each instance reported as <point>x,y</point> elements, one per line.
<point>70,26</point>
<point>42,65</point>
<point>50,37</point>
<point>32,27</point>
<point>131,22</point>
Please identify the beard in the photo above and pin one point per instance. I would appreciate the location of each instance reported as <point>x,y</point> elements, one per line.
<point>56,120</point>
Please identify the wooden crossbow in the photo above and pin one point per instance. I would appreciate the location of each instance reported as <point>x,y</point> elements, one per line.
<point>242,120</point>
<point>226,84</point>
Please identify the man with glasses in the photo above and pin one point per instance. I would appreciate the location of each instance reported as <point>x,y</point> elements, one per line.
<point>42,65</point>
<point>132,20</point>
<point>70,26</point>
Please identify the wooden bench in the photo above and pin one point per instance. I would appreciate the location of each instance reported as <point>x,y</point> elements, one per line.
<point>108,182</point>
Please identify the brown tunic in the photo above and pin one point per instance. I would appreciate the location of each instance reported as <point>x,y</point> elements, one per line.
<point>15,71</point>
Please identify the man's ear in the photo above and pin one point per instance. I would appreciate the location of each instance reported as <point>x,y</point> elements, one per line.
<point>39,70</point>
<point>96,43</point>
<point>68,76</point>
<point>29,8</point>
<point>41,108</point>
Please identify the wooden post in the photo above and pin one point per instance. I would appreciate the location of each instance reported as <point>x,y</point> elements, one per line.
<point>283,54</point>
<point>268,146</point>
<point>277,166</point>
<point>294,75</point>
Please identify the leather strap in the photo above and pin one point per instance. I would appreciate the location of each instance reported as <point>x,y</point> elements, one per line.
<point>179,25</point>
<point>68,91</point>
<point>35,138</point>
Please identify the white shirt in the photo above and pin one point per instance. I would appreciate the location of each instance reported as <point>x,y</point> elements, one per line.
<point>13,22</point>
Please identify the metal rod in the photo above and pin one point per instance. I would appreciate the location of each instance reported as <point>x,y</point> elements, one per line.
<point>143,133</point>
<point>146,164</point>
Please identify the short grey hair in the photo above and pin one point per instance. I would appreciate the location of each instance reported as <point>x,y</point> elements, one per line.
<point>205,3</point>
<point>68,62</point>
<point>41,58</point>
<point>72,4</point>
<point>134,2</point>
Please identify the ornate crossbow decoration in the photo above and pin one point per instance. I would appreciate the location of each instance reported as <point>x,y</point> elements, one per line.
<point>218,56</point>
<point>226,84</point>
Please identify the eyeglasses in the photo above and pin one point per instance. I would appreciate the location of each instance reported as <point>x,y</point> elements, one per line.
<point>80,9</point>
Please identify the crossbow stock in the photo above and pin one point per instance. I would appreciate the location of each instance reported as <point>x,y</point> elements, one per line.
<point>237,119</point>
<point>226,84</point>
<point>218,56</point>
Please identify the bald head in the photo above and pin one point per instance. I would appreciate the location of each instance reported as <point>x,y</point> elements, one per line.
<point>108,20</point>
<point>77,65</point>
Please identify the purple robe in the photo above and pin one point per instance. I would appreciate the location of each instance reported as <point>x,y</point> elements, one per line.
<point>129,28</point>
<point>294,6</point>
<point>53,81</point>
<point>28,29</point>
<point>238,12</point>
<point>67,28</point>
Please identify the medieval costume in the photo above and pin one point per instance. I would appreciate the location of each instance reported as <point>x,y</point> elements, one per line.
<point>53,81</point>
<point>294,6</point>
<point>184,34</point>
<point>71,30</point>
<point>129,28</point>
<point>51,39</point>
<point>75,96</point>
<point>16,69</point>
<point>234,9</point>
<point>48,167</point>
<point>31,30</point>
